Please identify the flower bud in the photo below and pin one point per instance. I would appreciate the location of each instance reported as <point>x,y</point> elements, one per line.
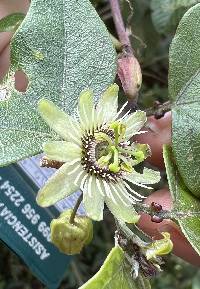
<point>130,75</point>
<point>71,238</point>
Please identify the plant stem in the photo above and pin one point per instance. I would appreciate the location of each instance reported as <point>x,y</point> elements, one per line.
<point>129,71</point>
<point>73,215</point>
<point>119,23</point>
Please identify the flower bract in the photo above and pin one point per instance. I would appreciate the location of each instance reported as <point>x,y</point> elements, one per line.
<point>98,156</point>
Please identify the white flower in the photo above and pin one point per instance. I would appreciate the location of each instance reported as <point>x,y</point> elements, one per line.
<point>97,155</point>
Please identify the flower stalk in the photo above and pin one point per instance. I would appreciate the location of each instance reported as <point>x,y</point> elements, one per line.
<point>75,209</point>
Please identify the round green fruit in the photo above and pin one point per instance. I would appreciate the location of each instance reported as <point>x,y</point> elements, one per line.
<point>70,238</point>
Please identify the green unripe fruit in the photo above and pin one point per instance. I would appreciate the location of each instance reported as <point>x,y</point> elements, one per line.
<point>71,238</point>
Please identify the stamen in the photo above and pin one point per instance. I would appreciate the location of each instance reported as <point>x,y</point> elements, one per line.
<point>114,167</point>
<point>104,160</point>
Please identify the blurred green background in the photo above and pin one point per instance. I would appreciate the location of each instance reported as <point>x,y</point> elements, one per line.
<point>151,45</point>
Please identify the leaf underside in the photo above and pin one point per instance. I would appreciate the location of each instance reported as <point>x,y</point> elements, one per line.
<point>183,201</point>
<point>63,51</point>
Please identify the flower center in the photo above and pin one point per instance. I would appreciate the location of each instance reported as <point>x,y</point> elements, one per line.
<point>106,153</point>
<point>96,155</point>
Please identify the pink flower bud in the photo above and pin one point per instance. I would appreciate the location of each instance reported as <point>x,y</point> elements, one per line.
<point>130,75</point>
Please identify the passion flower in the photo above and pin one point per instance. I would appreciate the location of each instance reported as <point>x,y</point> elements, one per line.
<point>98,156</point>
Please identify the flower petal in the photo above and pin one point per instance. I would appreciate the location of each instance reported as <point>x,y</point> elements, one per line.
<point>134,122</point>
<point>56,188</point>
<point>93,200</point>
<point>87,110</point>
<point>121,209</point>
<point>62,151</point>
<point>147,177</point>
<point>63,124</point>
<point>108,104</point>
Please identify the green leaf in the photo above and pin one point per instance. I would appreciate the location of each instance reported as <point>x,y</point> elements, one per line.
<point>184,55</point>
<point>184,87</point>
<point>63,51</point>
<point>115,274</point>
<point>167,14</point>
<point>184,203</point>
<point>11,22</point>
<point>186,133</point>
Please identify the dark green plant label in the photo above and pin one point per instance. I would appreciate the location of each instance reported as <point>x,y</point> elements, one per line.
<point>24,226</point>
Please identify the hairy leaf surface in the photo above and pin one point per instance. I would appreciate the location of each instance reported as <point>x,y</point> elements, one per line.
<point>184,54</point>
<point>63,48</point>
<point>185,205</point>
<point>184,89</point>
<point>186,133</point>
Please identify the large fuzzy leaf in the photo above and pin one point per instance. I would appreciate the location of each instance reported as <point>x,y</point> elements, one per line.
<point>184,88</point>
<point>186,133</point>
<point>63,48</point>
<point>184,54</point>
<point>185,205</point>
